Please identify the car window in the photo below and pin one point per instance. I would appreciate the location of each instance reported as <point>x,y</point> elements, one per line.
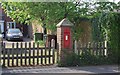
<point>13,31</point>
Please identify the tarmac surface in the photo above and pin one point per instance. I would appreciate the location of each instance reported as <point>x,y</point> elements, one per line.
<point>53,70</point>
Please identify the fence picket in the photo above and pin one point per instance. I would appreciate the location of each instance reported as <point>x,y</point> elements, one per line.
<point>17,53</point>
<point>34,53</point>
<point>38,53</point>
<point>53,48</point>
<point>29,53</point>
<point>21,53</point>
<point>89,47</point>
<point>49,53</point>
<point>45,55</point>
<point>102,49</point>
<point>86,47</point>
<point>107,47</point>
<point>3,54</point>
<point>53,56</point>
<point>81,48</point>
<point>79,45</point>
<point>41,56</point>
<point>12,54</point>
<point>25,53</point>
<point>8,57</point>
<point>96,48</point>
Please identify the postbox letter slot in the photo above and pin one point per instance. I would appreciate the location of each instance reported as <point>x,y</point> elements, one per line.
<point>66,38</point>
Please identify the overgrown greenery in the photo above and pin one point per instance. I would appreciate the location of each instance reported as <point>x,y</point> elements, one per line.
<point>107,29</point>
<point>85,59</point>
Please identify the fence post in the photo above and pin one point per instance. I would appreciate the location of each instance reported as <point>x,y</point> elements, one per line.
<point>17,44</point>
<point>105,48</point>
<point>49,52</point>
<point>38,51</point>
<point>21,55</point>
<point>53,47</point>
<point>75,47</point>
<point>53,43</point>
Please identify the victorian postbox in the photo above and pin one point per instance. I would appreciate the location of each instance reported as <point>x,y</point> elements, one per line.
<point>64,39</point>
<point>67,38</point>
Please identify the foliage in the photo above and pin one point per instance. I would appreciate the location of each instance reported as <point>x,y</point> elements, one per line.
<point>41,42</point>
<point>108,29</point>
<point>48,13</point>
<point>86,58</point>
<point>114,37</point>
<point>17,11</point>
<point>70,60</point>
<point>103,17</point>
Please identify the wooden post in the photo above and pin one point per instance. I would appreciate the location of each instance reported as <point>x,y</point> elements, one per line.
<point>26,53</point>
<point>33,54</point>
<point>75,47</point>
<point>29,53</point>
<point>38,53</point>
<point>105,48</point>
<point>21,53</point>
<point>17,53</point>
<point>12,54</point>
<point>53,47</point>
<point>49,52</point>
<point>79,48</point>
<point>41,56</point>
<point>8,59</point>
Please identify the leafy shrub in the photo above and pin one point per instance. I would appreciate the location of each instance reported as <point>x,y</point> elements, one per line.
<point>70,60</point>
<point>85,59</point>
<point>41,42</point>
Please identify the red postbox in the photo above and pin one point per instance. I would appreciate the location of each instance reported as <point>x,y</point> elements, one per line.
<point>67,37</point>
<point>64,39</point>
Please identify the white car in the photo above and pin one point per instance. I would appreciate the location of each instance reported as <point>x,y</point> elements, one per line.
<point>14,34</point>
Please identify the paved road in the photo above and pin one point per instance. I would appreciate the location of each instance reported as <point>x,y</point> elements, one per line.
<point>90,70</point>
